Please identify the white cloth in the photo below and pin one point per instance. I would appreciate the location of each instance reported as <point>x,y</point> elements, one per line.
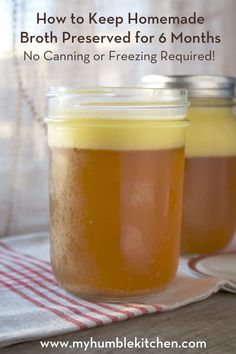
<point>33,306</point>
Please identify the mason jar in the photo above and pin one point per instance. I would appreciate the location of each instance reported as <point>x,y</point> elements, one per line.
<point>116,178</point>
<point>209,206</point>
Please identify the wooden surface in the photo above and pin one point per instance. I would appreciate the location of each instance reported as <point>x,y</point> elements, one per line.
<point>212,320</point>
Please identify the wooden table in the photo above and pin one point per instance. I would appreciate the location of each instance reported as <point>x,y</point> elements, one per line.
<point>212,320</point>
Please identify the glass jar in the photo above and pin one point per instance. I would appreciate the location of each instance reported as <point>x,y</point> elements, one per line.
<point>209,206</point>
<point>116,176</point>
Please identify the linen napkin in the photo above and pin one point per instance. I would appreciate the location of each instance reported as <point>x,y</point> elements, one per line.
<point>33,306</point>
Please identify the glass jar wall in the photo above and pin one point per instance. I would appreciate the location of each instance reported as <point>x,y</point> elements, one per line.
<point>116,178</point>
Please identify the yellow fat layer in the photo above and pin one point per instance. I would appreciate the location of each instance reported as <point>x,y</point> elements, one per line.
<point>212,132</point>
<point>116,135</point>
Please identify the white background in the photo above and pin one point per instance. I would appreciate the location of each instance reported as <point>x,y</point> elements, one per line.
<point>23,157</point>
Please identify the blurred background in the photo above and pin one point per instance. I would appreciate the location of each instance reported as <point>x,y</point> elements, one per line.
<point>23,145</point>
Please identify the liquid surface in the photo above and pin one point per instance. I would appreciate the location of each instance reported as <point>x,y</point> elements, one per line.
<point>211,132</point>
<point>115,134</point>
<point>115,219</point>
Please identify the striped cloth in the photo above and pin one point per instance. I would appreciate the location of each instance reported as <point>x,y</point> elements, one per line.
<point>33,306</point>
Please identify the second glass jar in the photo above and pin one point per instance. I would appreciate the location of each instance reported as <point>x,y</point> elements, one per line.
<point>209,204</point>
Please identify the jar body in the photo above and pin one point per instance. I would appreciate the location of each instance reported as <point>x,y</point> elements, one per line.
<point>209,205</point>
<point>116,186</point>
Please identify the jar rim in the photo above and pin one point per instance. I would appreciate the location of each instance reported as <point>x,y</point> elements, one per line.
<point>97,95</point>
<point>116,103</point>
